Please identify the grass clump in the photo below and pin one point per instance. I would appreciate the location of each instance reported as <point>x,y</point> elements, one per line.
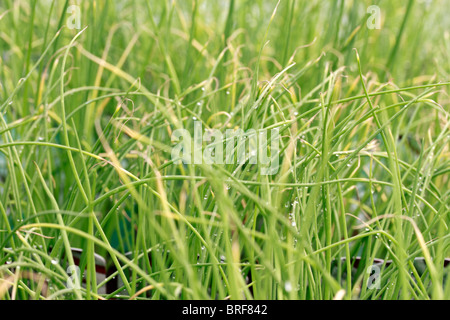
<point>359,208</point>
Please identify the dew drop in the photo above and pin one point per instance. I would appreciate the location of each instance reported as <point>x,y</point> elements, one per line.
<point>288,286</point>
